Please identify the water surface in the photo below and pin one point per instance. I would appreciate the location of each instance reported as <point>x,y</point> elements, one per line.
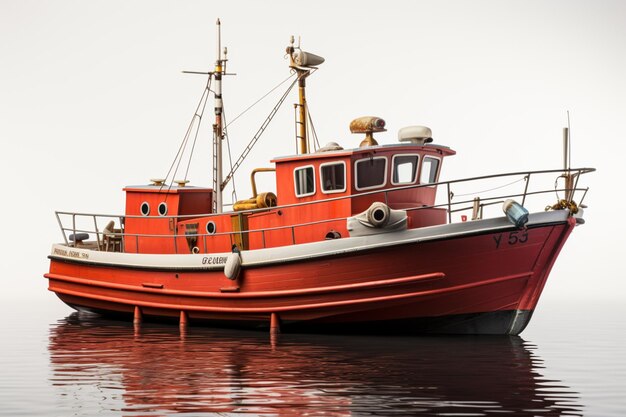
<point>81,364</point>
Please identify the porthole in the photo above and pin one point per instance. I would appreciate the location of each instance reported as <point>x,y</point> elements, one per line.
<point>162,209</point>
<point>210,228</point>
<point>145,208</point>
<point>333,234</point>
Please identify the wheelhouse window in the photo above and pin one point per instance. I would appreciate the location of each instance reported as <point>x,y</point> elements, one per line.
<point>371,172</point>
<point>404,169</point>
<point>430,167</point>
<point>333,177</point>
<point>304,178</point>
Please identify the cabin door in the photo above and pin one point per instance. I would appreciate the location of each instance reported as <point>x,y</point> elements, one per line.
<point>239,224</point>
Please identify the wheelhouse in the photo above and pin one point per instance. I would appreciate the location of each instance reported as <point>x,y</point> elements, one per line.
<point>380,173</point>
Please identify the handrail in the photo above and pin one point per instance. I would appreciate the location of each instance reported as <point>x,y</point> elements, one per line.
<point>408,187</point>
<point>291,226</point>
<point>451,207</point>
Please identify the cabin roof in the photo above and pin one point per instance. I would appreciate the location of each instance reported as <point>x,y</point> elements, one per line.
<point>441,149</point>
<point>166,189</point>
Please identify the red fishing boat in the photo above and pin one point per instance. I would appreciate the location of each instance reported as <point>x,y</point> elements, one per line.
<point>353,239</point>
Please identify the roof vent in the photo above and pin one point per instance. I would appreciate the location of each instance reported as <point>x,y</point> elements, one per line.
<point>157,181</point>
<point>368,125</point>
<point>418,135</point>
<point>330,146</point>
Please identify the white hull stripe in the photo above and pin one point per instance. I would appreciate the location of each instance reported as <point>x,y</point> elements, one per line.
<point>282,254</point>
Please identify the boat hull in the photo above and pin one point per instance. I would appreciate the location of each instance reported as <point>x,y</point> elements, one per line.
<point>505,322</point>
<point>485,278</point>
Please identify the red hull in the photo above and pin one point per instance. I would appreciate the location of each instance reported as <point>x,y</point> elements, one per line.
<point>484,283</point>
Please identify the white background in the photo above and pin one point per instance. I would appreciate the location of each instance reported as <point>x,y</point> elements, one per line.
<point>92,99</point>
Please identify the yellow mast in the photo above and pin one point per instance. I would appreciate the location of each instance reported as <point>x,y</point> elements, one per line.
<point>302,138</point>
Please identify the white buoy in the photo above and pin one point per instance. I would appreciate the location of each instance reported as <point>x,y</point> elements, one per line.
<point>232,269</point>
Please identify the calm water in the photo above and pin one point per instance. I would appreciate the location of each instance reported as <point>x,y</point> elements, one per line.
<point>571,361</point>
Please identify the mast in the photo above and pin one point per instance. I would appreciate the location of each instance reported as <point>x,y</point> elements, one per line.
<point>303,63</point>
<point>218,127</point>
<point>302,138</point>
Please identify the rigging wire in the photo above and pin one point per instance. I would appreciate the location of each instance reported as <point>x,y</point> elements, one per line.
<point>189,129</point>
<point>183,145</point>
<point>257,102</point>
<point>193,146</point>
<point>258,134</point>
<point>317,143</point>
<point>307,126</point>
<point>200,108</point>
<point>230,157</point>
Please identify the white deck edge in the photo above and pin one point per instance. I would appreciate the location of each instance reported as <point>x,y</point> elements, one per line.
<point>291,253</point>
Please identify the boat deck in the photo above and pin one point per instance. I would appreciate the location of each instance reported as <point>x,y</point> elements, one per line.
<point>105,233</point>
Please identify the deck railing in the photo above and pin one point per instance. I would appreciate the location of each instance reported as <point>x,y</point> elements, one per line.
<point>476,204</point>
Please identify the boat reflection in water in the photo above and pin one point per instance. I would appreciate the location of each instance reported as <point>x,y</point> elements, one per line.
<point>100,367</point>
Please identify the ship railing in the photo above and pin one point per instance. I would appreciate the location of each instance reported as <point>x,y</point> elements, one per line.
<point>90,223</point>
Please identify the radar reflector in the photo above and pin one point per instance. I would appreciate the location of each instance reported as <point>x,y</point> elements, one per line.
<point>306,59</point>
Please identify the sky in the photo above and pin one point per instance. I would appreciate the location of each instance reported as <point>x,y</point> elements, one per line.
<point>93,98</point>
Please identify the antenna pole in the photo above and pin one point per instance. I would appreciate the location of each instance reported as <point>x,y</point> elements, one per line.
<point>566,148</point>
<point>218,127</point>
<point>569,144</point>
<point>569,178</point>
<point>302,71</point>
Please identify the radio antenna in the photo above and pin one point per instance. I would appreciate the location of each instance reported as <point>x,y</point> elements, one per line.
<point>566,146</point>
<point>567,156</point>
<point>569,147</point>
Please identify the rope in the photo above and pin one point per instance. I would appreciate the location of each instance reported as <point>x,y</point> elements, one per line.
<point>561,203</point>
<point>564,204</point>
<point>491,189</point>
